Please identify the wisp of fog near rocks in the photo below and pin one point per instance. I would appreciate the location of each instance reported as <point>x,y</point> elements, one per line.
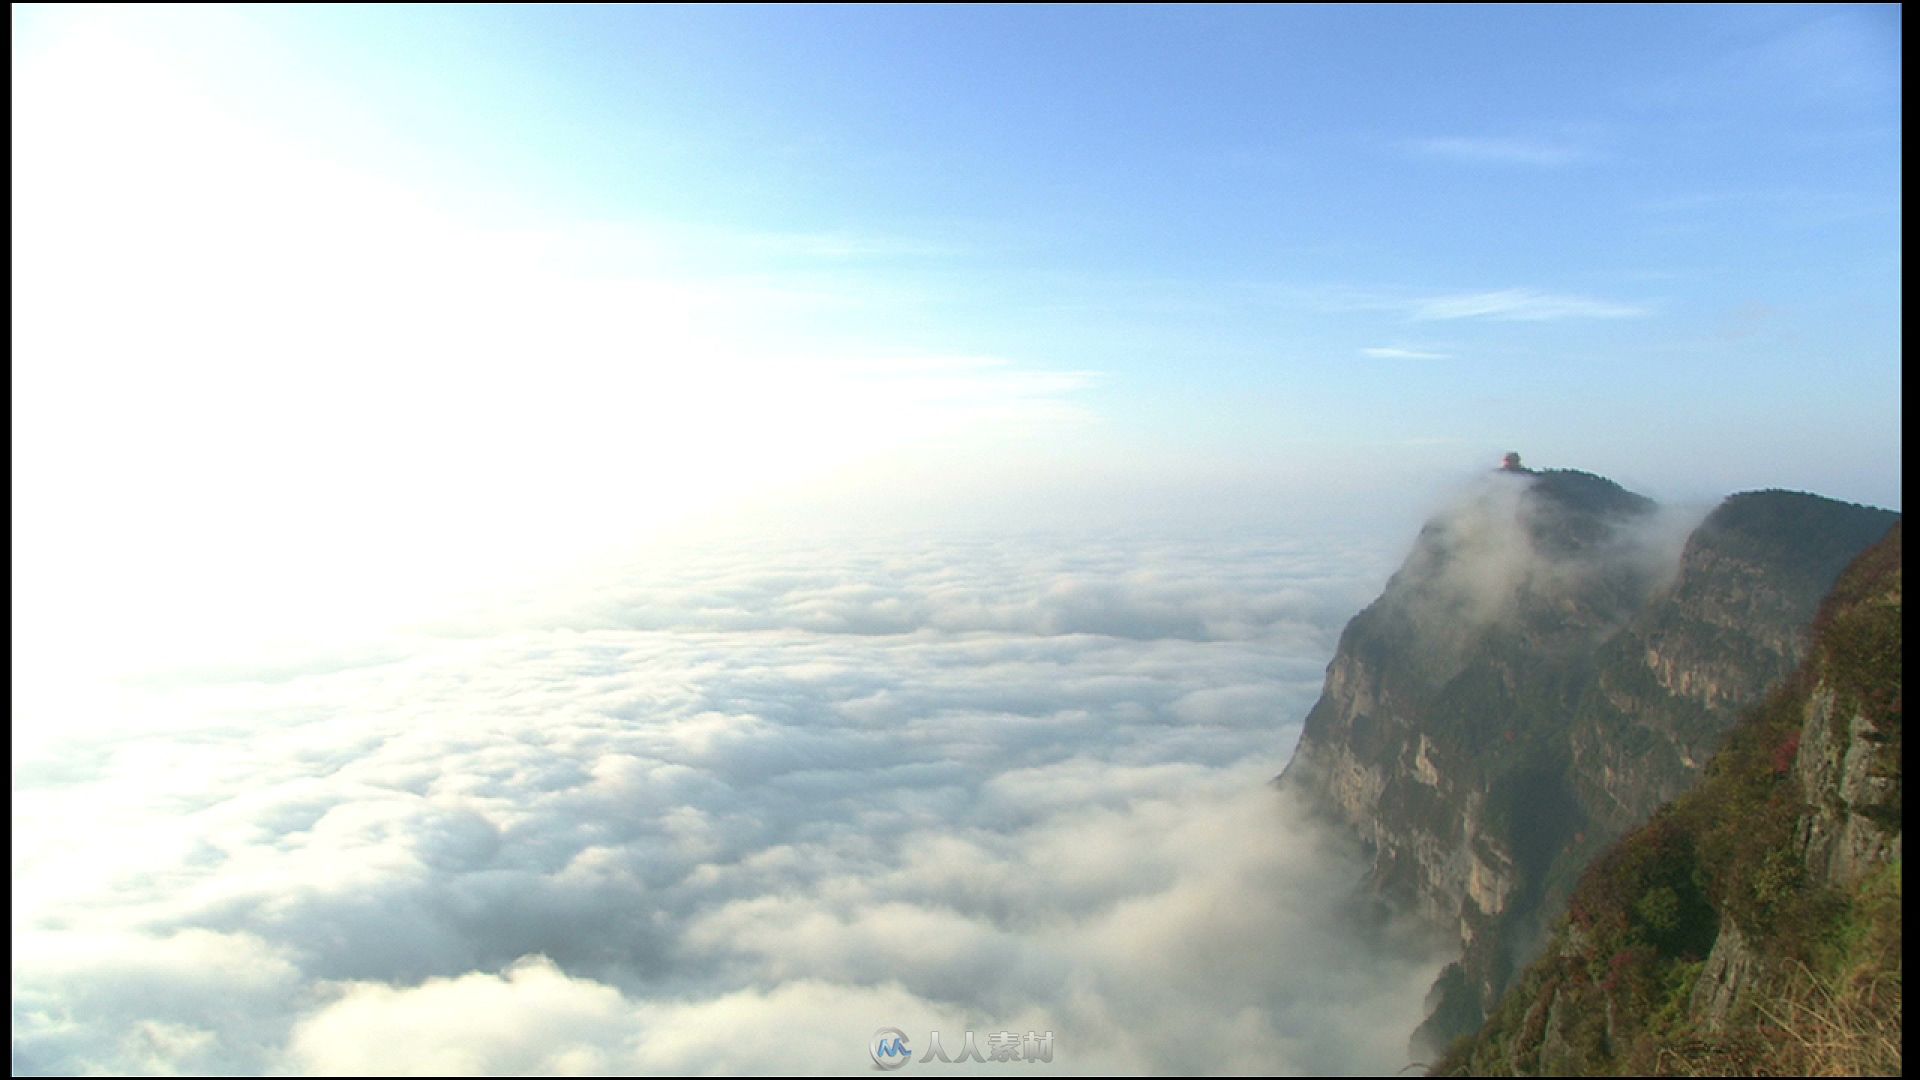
<point>732,812</point>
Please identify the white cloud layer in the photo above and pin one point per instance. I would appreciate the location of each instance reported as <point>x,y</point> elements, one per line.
<point>730,814</point>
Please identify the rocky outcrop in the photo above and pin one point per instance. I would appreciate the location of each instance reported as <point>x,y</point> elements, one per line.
<point>1729,974</point>
<point>1852,781</point>
<point>1848,758</point>
<point>1548,666</point>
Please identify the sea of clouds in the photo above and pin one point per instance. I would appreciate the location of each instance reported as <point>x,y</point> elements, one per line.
<point>730,810</point>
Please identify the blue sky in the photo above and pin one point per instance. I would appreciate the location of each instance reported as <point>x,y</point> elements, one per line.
<point>422,276</point>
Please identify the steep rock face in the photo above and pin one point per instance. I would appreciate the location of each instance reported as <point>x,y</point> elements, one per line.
<point>1851,779</point>
<point>1752,927</point>
<point>1848,758</point>
<point>1732,626</point>
<point>1546,668</point>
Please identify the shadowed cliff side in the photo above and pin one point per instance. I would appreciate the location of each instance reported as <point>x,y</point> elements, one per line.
<point>1547,667</point>
<point>1753,925</point>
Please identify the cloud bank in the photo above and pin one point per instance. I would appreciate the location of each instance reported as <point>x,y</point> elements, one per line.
<point>730,814</point>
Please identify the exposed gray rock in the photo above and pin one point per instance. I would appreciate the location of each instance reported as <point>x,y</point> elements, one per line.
<point>1731,967</point>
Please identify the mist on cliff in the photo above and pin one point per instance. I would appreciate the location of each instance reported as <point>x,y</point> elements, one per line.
<point>731,810</point>
<point>1497,543</point>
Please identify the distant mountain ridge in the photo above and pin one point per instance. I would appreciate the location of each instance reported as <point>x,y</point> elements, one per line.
<point>1554,660</point>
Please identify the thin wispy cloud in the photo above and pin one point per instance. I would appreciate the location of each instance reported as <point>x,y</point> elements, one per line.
<point>1523,305</point>
<point>1500,151</point>
<point>1513,305</point>
<point>1391,352</point>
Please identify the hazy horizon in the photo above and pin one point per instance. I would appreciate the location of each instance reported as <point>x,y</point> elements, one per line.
<point>354,312</point>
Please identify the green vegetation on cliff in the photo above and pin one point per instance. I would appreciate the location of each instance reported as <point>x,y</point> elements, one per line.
<point>1752,927</point>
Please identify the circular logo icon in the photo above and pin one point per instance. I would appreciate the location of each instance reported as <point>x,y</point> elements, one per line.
<point>889,1048</point>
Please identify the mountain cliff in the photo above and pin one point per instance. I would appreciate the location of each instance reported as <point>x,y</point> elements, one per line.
<point>1753,925</point>
<point>1557,657</point>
